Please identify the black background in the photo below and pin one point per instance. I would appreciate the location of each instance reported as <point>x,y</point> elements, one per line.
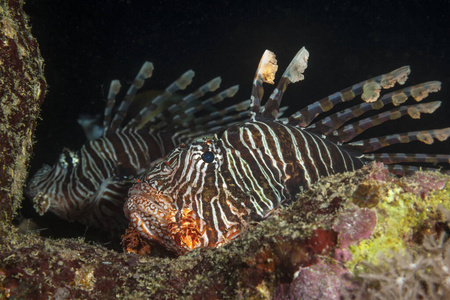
<point>86,44</point>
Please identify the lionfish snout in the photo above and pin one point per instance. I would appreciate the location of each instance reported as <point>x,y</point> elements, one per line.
<point>47,188</point>
<point>37,192</point>
<point>155,216</point>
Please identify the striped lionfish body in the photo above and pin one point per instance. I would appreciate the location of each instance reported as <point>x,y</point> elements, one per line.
<point>205,193</point>
<point>90,185</point>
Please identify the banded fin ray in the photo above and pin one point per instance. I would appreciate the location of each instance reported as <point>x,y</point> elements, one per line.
<point>395,158</point>
<point>145,72</point>
<point>425,136</point>
<point>335,121</point>
<point>368,89</point>
<point>180,84</point>
<point>336,128</point>
<point>352,130</point>
<point>292,74</point>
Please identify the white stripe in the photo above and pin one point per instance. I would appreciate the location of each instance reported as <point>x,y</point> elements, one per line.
<point>298,154</point>
<point>315,138</point>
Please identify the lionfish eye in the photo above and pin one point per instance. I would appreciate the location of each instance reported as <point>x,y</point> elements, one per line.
<point>208,157</point>
<point>68,158</point>
<point>64,161</point>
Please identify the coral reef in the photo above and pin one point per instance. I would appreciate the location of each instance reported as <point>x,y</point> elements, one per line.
<point>22,91</point>
<point>298,242</point>
<point>422,273</point>
<point>408,210</point>
<point>407,255</point>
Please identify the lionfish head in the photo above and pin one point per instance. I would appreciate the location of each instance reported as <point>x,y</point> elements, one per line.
<point>189,200</point>
<point>47,187</point>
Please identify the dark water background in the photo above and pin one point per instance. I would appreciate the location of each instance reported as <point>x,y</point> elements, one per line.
<point>86,44</point>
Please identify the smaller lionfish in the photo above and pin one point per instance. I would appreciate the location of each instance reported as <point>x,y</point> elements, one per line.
<point>90,185</point>
<point>205,194</point>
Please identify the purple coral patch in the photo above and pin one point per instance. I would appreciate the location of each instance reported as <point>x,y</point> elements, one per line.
<point>324,280</point>
<point>422,183</point>
<point>378,172</point>
<point>354,224</point>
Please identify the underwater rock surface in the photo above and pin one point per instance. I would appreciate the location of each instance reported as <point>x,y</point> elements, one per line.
<point>314,236</point>
<point>22,89</point>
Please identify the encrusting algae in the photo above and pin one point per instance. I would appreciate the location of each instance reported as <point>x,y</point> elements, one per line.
<point>408,209</point>
<point>22,90</point>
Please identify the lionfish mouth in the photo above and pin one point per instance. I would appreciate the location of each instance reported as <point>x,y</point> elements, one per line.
<point>154,215</point>
<point>41,202</point>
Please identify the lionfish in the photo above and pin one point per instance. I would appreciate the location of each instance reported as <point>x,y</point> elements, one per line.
<point>90,185</point>
<point>204,194</point>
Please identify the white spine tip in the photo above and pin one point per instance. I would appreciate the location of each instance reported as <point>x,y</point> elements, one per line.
<point>185,79</point>
<point>215,84</point>
<point>294,72</point>
<point>114,88</point>
<point>146,70</point>
<point>244,105</point>
<point>233,90</point>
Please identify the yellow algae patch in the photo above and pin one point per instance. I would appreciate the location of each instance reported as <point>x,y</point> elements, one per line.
<point>406,212</point>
